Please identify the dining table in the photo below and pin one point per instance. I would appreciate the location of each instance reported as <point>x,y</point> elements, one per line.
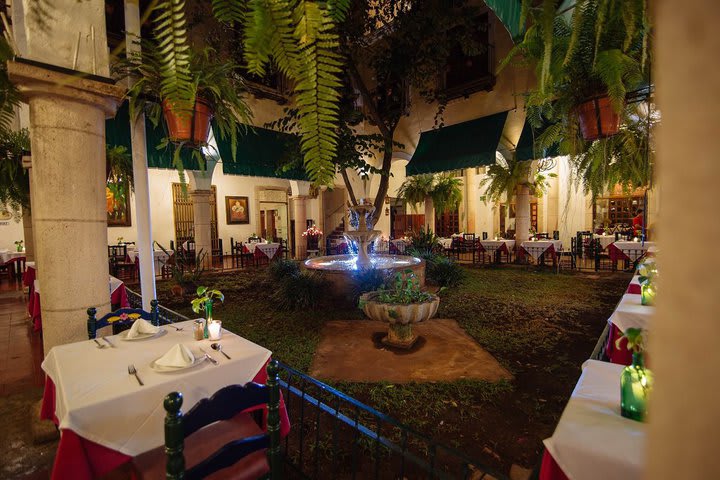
<point>496,247</point>
<point>604,240</point>
<point>628,250</point>
<point>106,417</point>
<point>260,250</point>
<point>118,297</point>
<point>592,440</point>
<point>539,248</point>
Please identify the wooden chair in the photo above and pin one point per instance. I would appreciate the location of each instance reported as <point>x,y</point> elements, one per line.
<point>120,319</point>
<point>120,267</point>
<point>215,438</point>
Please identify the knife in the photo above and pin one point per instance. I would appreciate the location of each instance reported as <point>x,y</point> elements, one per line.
<point>207,355</point>
<point>109,342</point>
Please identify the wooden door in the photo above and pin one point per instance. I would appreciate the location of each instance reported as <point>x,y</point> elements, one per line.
<point>263,230</point>
<point>270,222</point>
<point>447,223</point>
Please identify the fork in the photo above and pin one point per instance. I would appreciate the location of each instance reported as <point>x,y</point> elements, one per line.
<point>99,345</point>
<point>132,371</point>
<point>179,329</point>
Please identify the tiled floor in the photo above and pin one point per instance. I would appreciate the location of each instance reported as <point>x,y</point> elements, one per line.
<point>21,350</point>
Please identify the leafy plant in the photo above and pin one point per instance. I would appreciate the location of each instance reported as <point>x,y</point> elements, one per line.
<point>367,280</point>
<point>635,339</point>
<point>212,80</point>
<point>205,296</point>
<point>186,271</point>
<point>404,289</point>
<point>444,271</point>
<point>9,95</point>
<point>417,189</point>
<point>445,191</point>
<point>282,268</point>
<point>424,241</point>
<point>505,176</point>
<point>647,271</point>
<point>302,291</point>
<point>14,179</point>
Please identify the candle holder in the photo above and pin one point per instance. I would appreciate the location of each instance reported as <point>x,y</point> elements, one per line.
<point>198,330</point>
<point>215,329</point>
<point>647,294</point>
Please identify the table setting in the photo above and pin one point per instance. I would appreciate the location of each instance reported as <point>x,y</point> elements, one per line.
<point>605,240</point>
<point>268,250</point>
<point>496,247</point>
<point>628,250</point>
<point>159,256</point>
<point>136,369</point>
<point>538,248</point>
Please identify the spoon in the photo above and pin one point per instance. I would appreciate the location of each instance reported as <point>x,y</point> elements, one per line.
<point>218,347</point>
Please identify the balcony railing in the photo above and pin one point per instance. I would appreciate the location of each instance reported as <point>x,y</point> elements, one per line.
<point>334,435</point>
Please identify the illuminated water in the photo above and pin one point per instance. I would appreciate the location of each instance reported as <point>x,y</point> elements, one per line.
<point>341,263</point>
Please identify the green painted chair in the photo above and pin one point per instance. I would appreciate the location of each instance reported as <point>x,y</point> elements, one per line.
<point>215,438</point>
<point>121,319</point>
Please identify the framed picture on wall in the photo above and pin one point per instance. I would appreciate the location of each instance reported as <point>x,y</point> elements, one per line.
<point>237,210</point>
<point>117,195</point>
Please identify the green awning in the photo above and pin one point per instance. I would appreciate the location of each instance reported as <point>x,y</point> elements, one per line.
<point>526,149</point>
<point>508,11</point>
<point>261,153</point>
<point>117,132</point>
<point>464,145</point>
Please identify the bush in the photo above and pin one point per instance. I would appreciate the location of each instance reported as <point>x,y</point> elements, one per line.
<point>282,268</point>
<point>299,291</point>
<point>444,271</point>
<point>367,280</point>
<point>425,241</point>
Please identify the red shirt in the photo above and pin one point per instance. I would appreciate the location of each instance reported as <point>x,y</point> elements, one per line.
<point>638,222</point>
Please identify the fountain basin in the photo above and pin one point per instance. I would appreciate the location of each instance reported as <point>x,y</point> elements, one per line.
<point>338,269</point>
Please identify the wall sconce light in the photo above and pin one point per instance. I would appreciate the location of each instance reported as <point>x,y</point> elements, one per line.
<point>387,211</point>
<point>387,199</point>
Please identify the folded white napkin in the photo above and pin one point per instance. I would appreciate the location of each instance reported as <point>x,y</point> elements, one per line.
<point>177,356</point>
<point>141,327</point>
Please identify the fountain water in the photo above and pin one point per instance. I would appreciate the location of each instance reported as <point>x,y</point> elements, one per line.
<point>338,269</point>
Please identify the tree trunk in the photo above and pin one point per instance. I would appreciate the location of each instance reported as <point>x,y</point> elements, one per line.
<point>522,214</point>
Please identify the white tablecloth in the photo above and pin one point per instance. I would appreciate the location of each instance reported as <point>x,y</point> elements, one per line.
<point>630,313</point>
<point>538,247</point>
<point>633,250</point>
<point>269,249</point>
<point>592,441</point>
<point>605,240</point>
<point>445,242</point>
<point>107,406</point>
<point>7,255</point>
<point>114,284</point>
<point>492,245</point>
<point>159,256</point>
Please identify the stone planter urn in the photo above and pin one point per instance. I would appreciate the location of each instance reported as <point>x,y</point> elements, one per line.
<point>400,317</point>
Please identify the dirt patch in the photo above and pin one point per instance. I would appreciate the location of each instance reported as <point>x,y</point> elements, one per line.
<point>443,353</point>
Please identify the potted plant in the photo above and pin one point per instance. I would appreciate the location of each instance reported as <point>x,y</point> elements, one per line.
<point>401,305</point>
<point>185,270</point>
<point>585,62</point>
<point>216,94</point>
<point>313,235</point>
<point>648,273</point>
<point>636,381</point>
<point>204,302</point>
<point>444,191</point>
<point>19,245</point>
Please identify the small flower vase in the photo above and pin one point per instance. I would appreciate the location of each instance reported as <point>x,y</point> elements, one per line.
<point>647,294</point>
<point>208,319</point>
<point>19,248</point>
<point>635,386</point>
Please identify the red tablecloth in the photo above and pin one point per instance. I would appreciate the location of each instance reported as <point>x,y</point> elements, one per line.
<point>550,470</point>
<point>634,288</point>
<point>521,252</point>
<point>616,254</point>
<point>80,459</point>
<point>118,297</point>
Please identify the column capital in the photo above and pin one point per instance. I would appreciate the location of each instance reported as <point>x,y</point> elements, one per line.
<point>200,194</point>
<point>299,197</point>
<point>37,80</point>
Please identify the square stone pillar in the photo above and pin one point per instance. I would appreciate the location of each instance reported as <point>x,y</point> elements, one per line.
<point>300,215</point>
<point>202,217</point>
<point>67,125</point>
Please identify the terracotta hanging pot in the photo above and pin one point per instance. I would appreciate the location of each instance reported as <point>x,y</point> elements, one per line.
<point>597,118</point>
<point>189,126</point>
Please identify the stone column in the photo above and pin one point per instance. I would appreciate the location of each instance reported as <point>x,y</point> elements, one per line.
<point>27,216</point>
<point>471,195</point>
<point>202,218</point>
<point>683,432</point>
<point>553,205</point>
<point>429,214</point>
<point>67,119</point>
<point>522,214</point>
<point>300,215</point>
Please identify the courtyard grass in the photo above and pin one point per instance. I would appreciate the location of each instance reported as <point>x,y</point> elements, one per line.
<point>539,325</point>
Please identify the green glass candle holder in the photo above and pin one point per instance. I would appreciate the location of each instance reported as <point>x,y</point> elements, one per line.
<point>208,319</point>
<point>647,294</point>
<point>635,386</point>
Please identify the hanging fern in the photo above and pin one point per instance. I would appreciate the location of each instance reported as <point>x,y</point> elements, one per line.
<point>9,95</point>
<point>177,86</point>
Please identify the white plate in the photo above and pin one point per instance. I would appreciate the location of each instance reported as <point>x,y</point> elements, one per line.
<point>199,358</point>
<point>142,336</point>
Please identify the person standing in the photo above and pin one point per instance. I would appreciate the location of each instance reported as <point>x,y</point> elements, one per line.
<point>638,222</point>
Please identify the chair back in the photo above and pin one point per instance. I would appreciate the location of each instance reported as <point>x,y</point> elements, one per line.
<point>556,235</point>
<point>120,318</point>
<point>484,235</point>
<point>117,253</point>
<point>223,405</point>
<point>542,235</point>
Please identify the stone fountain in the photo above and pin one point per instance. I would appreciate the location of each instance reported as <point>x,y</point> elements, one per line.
<point>339,270</point>
<point>362,236</point>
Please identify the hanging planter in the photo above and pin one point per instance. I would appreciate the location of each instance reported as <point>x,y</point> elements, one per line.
<point>597,118</point>
<point>189,126</point>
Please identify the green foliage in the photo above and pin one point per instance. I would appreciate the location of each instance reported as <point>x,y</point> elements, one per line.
<point>404,289</point>
<point>14,179</point>
<point>367,280</point>
<point>424,241</point>
<point>177,85</point>
<point>635,340</point>
<point>282,268</point>
<point>443,271</point>
<point>205,296</point>
<point>503,178</point>
<point>186,271</point>
<point>9,95</point>
<point>302,291</point>
<point>444,190</point>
